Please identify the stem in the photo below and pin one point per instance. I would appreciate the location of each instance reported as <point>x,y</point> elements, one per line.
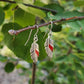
<point>16,32</point>
<point>41,8</point>
<point>69,51</point>
<point>33,73</point>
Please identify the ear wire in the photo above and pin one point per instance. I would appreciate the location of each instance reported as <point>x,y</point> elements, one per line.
<point>28,38</point>
<point>37,30</point>
<point>46,31</point>
<point>35,35</point>
<point>51,25</point>
<point>50,28</point>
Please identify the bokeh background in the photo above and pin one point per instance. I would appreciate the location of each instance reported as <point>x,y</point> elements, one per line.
<point>67,64</point>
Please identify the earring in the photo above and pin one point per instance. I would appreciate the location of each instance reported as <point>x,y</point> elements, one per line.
<point>34,51</point>
<point>49,43</point>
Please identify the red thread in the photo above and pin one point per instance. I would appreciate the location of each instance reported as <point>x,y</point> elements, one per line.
<point>37,52</point>
<point>51,47</point>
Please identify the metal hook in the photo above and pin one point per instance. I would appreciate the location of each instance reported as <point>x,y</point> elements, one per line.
<point>28,38</point>
<point>51,24</point>
<point>50,33</point>
<point>37,30</point>
<point>35,35</point>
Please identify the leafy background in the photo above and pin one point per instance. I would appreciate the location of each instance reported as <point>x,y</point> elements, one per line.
<point>66,66</point>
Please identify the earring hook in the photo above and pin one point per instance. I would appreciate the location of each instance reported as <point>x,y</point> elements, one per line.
<point>35,35</point>
<point>37,30</point>
<point>50,33</point>
<point>51,24</point>
<point>28,38</point>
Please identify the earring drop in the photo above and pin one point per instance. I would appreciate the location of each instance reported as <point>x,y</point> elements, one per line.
<point>34,51</point>
<point>49,43</point>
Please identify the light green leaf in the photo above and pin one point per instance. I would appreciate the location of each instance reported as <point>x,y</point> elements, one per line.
<point>79,3</point>
<point>80,45</point>
<point>34,11</point>
<point>24,18</point>
<point>3,58</point>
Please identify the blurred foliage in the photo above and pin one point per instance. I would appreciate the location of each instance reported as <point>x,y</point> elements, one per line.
<point>67,64</point>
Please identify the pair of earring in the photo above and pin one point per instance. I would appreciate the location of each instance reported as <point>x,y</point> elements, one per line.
<point>34,50</point>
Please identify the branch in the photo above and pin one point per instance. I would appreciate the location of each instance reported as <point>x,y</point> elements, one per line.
<point>41,8</point>
<point>33,73</point>
<point>16,32</point>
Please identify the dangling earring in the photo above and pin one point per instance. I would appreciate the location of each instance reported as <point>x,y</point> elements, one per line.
<point>49,43</point>
<point>35,48</point>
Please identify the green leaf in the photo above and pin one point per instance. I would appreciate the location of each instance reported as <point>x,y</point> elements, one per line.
<point>1,36</point>
<point>55,7</point>
<point>46,65</point>
<point>51,76</point>
<point>70,72</point>
<point>2,15</point>
<point>17,44</point>
<point>9,67</point>
<point>49,64</point>
<point>75,25</point>
<point>66,14</point>
<point>3,58</point>
<point>6,7</point>
<point>80,45</point>
<point>78,3</point>
<point>57,28</point>
<point>63,59</point>
<point>24,18</point>
<point>34,11</point>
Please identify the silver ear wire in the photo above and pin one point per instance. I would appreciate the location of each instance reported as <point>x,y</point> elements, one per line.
<point>28,38</point>
<point>49,29</point>
<point>35,35</point>
<point>50,32</point>
<point>37,30</point>
<point>51,25</point>
<point>46,31</point>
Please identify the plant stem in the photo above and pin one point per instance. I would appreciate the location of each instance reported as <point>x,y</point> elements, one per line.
<point>41,8</point>
<point>16,32</point>
<point>33,73</point>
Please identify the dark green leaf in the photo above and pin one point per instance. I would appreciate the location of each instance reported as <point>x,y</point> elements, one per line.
<point>51,76</point>
<point>7,6</point>
<point>9,67</point>
<point>55,7</point>
<point>49,64</point>
<point>75,25</point>
<point>17,44</point>
<point>57,28</point>
<point>2,15</point>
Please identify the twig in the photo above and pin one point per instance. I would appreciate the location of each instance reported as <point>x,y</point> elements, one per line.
<point>16,32</point>
<point>69,51</point>
<point>33,73</point>
<point>41,8</point>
